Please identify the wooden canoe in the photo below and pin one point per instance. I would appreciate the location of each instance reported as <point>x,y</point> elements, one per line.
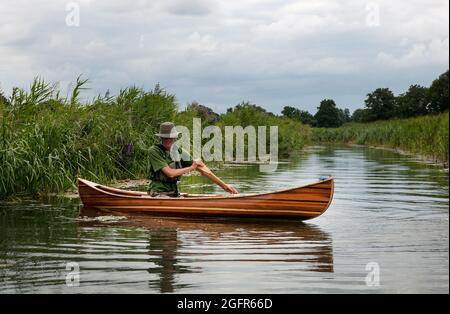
<point>302,203</point>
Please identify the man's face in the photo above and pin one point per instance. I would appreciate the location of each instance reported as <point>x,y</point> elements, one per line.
<point>168,142</point>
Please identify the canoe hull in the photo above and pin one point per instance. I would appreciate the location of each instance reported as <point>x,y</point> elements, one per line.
<point>302,203</point>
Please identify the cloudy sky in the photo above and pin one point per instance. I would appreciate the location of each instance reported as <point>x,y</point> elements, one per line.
<point>221,52</point>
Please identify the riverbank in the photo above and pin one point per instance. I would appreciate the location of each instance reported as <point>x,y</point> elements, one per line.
<point>426,137</point>
<point>416,157</point>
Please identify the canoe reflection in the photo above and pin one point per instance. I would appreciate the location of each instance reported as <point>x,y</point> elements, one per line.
<point>186,245</point>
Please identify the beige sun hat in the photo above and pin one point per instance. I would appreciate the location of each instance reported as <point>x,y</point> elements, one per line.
<point>167,130</point>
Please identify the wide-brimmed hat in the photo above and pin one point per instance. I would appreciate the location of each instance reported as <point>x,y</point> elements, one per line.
<point>167,130</point>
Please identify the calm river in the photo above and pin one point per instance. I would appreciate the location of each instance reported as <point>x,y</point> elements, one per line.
<point>387,231</point>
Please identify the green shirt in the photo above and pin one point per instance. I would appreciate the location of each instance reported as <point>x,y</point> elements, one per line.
<point>159,158</point>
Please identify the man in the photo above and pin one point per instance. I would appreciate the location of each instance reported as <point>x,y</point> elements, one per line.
<point>168,163</point>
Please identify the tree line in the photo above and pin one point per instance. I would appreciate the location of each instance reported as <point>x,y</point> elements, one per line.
<point>380,104</point>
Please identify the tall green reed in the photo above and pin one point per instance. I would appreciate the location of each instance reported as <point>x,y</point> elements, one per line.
<point>46,140</point>
<point>427,135</point>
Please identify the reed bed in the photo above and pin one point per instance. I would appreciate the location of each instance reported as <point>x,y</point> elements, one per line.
<point>426,136</point>
<point>47,140</point>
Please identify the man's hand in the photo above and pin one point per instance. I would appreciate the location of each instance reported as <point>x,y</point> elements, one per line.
<point>231,189</point>
<point>198,163</point>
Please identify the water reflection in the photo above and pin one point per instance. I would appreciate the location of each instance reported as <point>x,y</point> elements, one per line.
<point>180,246</point>
<point>166,242</point>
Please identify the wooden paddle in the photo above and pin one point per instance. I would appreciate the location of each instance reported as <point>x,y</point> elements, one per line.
<point>205,171</point>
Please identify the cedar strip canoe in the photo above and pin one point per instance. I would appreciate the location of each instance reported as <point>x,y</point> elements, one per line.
<point>302,203</point>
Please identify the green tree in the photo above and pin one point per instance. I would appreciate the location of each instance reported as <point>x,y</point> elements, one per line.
<point>360,115</point>
<point>246,105</point>
<point>307,118</point>
<point>438,94</point>
<point>296,114</point>
<point>289,112</point>
<point>381,104</point>
<point>413,103</point>
<point>245,114</point>
<point>328,115</point>
<point>344,116</point>
<point>207,115</point>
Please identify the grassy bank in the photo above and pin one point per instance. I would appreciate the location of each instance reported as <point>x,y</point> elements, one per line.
<point>46,139</point>
<point>426,136</point>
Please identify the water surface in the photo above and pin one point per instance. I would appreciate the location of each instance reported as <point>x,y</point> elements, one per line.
<point>389,217</point>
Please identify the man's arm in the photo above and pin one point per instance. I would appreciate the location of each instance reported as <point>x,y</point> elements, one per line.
<point>172,173</point>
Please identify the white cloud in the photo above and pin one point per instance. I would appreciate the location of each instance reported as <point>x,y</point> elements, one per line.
<point>434,52</point>
<point>418,20</point>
